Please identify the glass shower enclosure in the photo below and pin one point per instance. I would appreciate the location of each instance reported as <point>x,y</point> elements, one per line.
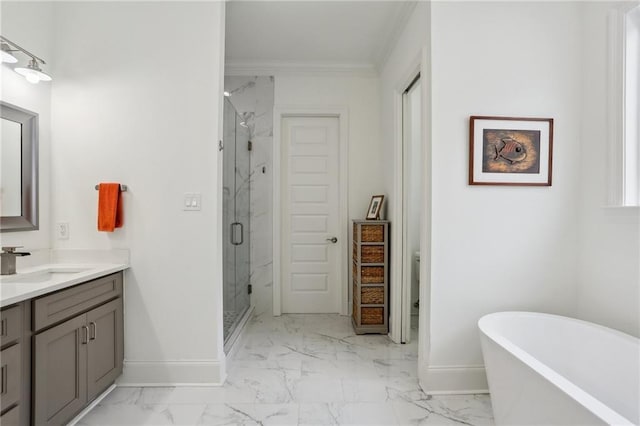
<point>236,198</point>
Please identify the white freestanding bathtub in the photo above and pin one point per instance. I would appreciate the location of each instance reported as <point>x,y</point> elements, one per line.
<point>552,370</point>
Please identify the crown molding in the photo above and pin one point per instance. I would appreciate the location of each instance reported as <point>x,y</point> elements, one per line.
<point>299,68</point>
<point>382,54</point>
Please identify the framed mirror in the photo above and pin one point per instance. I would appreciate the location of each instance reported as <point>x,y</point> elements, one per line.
<point>18,169</point>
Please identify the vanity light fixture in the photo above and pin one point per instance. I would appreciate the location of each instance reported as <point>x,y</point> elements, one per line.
<point>7,57</point>
<point>32,72</point>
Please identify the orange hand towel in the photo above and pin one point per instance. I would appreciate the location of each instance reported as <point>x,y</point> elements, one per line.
<point>109,207</point>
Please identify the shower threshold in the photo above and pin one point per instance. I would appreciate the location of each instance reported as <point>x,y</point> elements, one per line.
<point>238,326</point>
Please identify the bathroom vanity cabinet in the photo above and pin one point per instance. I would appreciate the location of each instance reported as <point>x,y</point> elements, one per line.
<point>13,347</point>
<point>370,276</point>
<point>76,351</point>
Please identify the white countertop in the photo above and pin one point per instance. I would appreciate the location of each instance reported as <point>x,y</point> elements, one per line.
<point>39,280</point>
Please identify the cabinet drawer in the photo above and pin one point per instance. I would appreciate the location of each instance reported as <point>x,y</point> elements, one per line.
<point>10,325</point>
<point>10,375</point>
<point>64,304</point>
<point>11,417</point>
<point>372,233</point>
<point>372,295</point>
<point>372,254</point>
<point>372,274</point>
<point>372,316</point>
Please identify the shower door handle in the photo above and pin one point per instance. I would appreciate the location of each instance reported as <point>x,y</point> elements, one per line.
<point>234,233</point>
<point>241,233</point>
<point>234,227</point>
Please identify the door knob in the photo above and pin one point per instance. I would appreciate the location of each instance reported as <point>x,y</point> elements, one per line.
<point>333,240</point>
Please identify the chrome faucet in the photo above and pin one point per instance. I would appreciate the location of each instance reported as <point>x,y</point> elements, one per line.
<point>8,259</point>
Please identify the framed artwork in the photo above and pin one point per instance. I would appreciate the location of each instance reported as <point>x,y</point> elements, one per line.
<point>510,151</point>
<point>374,207</point>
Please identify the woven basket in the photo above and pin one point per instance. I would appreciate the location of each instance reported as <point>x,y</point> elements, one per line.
<point>372,316</point>
<point>372,254</point>
<point>372,295</point>
<point>372,233</point>
<point>372,274</point>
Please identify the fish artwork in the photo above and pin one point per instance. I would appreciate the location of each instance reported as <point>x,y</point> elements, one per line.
<point>510,150</point>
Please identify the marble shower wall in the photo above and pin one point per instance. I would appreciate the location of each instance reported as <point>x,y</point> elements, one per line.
<point>253,98</point>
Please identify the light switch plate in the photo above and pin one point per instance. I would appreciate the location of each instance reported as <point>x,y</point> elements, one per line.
<point>192,201</point>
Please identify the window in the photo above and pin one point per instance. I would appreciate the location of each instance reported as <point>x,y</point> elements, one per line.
<point>624,106</point>
<point>631,189</point>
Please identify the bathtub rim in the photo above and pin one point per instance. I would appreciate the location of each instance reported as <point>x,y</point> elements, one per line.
<point>583,398</point>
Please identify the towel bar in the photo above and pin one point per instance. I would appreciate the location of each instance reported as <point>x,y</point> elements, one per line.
<point>123,188</point>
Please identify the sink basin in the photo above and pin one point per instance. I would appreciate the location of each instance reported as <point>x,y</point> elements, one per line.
<point>43,275</point>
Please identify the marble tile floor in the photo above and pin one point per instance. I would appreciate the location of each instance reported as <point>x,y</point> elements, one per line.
<point>301,370</point>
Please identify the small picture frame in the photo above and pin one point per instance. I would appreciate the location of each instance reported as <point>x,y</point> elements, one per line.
<point>510,151</point>
<point>374,207</point>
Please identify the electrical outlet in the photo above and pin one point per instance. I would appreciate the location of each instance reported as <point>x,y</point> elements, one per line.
<point>62,230</point>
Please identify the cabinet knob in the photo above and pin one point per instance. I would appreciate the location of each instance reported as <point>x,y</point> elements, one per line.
<point>332,240</point>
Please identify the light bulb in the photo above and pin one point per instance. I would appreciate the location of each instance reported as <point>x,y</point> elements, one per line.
<point>32,78</point>
<point>226,94</point>
<point>8,57</point>
<point>32,72</point>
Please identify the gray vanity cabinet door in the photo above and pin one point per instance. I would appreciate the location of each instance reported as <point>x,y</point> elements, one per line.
<point>10,376</point>
<point>11,417</point>
<point>105,348</point>
<point>60,365</point>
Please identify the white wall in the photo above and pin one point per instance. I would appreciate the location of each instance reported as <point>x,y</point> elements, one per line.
<point>408,57</point>
<point>500,248</point>
<point>29,24</point>
<point>400,68</point>
<point>360,95</point>
<point>127,109</point>
<point>609,273</point>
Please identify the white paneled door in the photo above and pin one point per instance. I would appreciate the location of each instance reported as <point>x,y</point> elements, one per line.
<point>310,215</point>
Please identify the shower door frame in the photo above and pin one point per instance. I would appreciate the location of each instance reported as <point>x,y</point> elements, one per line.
<point>237,146</point>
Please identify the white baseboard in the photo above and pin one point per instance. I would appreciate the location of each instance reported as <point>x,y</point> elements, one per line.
<point>454,379</point>
<point>172,373</point>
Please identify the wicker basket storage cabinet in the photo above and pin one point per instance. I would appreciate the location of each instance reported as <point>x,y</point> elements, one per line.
<point>370,276</point>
